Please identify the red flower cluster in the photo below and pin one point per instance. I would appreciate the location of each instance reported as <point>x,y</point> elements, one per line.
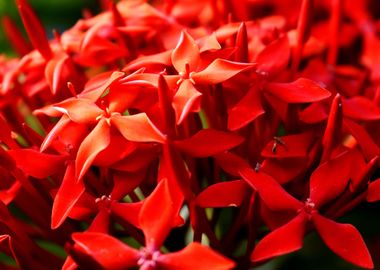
<point>124,136</point>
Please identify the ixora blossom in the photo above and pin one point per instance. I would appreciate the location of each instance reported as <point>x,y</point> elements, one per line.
<point>189,135</point>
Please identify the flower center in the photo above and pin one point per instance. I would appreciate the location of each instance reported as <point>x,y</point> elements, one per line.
<point>69,148</point>
<point>186,75</point>
<point>148,258</point>
<point>309,206</point>
<point>107,115</point>
<point>104,201</point>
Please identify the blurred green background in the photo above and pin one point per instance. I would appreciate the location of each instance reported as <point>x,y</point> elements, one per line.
<point>54,14</point>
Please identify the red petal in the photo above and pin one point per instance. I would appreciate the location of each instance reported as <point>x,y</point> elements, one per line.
<point>141,95</point>
<point>128,212</point>
<point>34,28</point>
<point>6,134</point>
<point>330,179</point>
<point>68,194</point>
<point>167,112</point>
<point>367,144</point>
<point>93,144</point>
<point>138,128</point>
<point>37,164</point>
<point>361,172</point>
<point>284,170</point>
<point>162,59</point>
<point>344,240</point>
<point>271,192</point>
<point>208,142</point>
<point>361,108</point>
<point>223,194</point>
<point>333,130</point>
<point>300,91</point>
<point>314,113</point>
<point>209,42</point>
<point>118,149</point>
<point>138,159</point>
<point>186,52</point>
<point>15,36</point>
<point>186,100</point>
<point>305,21</point>
<point>274,57</point>
<point>173,167</point>
<point>241,43</point>
<point>297,145</point>
<point>6,160</point>
<point>231,163</point>
<point>125,182</point>
<point>54,73</point>
<point>373,194</point>
<point>246,110</point>
<point>65,133</point>
<point>219,71</point>
<point>69,264</point>
<point>283,240</point>
<point>8,195</point>
<point>97,85</point>
<point>79,110</point>
<point>195,256</point>
<point>109,252</point>
<point>101,222</point>
<point>158,214</point>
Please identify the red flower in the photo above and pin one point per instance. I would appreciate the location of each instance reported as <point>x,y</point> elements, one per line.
<point>155,225</point>
<point>326,183</point>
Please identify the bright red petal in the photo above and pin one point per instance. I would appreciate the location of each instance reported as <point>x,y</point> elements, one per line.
<point>195,256</point>
<point>219,71</point>
<point>37,164</point>
<point>109,252</point>
<point>300,91</point>
<point>54,72</point>
<point>274,57</point>
<point>209,42</point>
<point>68,194</point>
<point>79,110</point>
<point>330,179</point>
<point>157,215</point>
<point>283,240</point>
<point>14,35</point>
<point>231,163</point>
<point>246,110</point>
<point>333,129</point>
<point>34,28</point>
<point>208,142</point>
<point>366,142</point>
<point>223,194</point>
<point>344,240</point>
<point>284,170</point>
<point>186,100</point>
<point>138,128</point>
<point>271,192</point>
<point>295,146</point>
<point>361,108</point>
<point>125,182</point>
<point>97,85</point>
<point>128,212</point>
<point>162,59</point>
<point>186,53</point>
<point>93,144</point>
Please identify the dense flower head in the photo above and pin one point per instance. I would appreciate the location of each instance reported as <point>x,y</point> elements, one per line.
<point>125,137</point>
